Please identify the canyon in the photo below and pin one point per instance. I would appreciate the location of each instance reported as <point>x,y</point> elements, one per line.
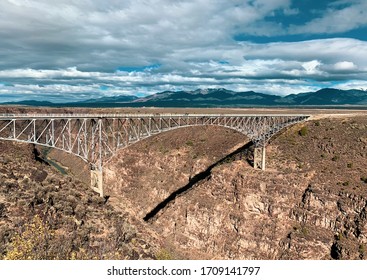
<point>192,193</point>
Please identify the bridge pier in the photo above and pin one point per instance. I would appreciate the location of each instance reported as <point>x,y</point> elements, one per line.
<point>96,177</point>
<point>259,157</point>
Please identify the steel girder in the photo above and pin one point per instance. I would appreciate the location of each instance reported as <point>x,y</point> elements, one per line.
<point>95,138</point>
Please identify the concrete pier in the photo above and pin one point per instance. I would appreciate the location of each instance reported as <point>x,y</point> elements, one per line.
<point>96,176</point>
<point>259,157</point>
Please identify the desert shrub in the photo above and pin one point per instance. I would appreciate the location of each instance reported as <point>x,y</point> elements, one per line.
<point>189,143</point>
<point>364,179</point>
<point>304,231</point>
<point>339,236</point>
<point>362,249</point>
<point>317,123</point>
<point>163,254</point>
<point>2,209</point>
<point>349,165</point>
<point>37,241</point>
<point>39,176</point>
<point>32,243</point>
<point>335,158</point>
<point>303,131</point>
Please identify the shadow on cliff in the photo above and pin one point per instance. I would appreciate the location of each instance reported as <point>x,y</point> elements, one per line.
<point>241,153</point>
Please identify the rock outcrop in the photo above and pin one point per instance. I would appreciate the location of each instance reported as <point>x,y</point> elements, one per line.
<point>310,203</point>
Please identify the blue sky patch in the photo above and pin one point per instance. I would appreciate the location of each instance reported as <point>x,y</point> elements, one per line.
<point>138,68</point>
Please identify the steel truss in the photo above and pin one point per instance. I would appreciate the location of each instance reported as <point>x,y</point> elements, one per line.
<point>96,138</point>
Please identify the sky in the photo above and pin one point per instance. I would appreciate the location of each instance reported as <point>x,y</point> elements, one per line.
<point>71,50</point>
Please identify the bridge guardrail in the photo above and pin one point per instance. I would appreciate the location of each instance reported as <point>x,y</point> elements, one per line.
<point>73,116</point>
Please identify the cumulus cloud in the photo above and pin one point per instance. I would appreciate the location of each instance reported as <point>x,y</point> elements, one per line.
<point>311,66</point>
<point>107,34</point>
<point>361,85</point>
<point>345,66</point>
<point>341,16</point>
<point>85,49</point>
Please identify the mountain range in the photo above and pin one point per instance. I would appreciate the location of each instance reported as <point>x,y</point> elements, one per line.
<point>219,98</point>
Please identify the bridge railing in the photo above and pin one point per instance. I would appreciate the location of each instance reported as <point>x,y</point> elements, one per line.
<point>65,116</point>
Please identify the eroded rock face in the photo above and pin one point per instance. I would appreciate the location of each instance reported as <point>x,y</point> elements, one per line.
<point>239,219</point>
<point>75,222</point>
<point>309,204</point>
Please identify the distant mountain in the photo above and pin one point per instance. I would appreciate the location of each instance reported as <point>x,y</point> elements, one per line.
<point>328,96</point>
<point>30,103</point>
<point>219,98</point>
<point>112,99</point>
<point>207,98</point>
<point>227,98</point>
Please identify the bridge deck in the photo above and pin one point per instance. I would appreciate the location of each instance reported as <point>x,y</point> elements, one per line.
<point>95,116</point>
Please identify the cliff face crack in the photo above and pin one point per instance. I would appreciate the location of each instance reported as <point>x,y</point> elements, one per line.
<point>194,181</point>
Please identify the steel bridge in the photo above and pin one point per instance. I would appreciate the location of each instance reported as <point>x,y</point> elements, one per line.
<point>96,138</point>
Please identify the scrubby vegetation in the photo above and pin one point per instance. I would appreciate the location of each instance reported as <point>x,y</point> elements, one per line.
<point>47,215</point>
<point>310,203</point>
<point>303,131</point>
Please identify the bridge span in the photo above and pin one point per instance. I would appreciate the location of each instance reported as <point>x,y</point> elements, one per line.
<point>96,138</point>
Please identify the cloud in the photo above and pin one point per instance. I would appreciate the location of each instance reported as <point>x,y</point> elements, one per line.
<point>276,68</point>
<point>311,67</point>
<point>103,35</point>
<point>345,66</point>
<point>341,16</point>
<point>70,72</point>
<point>327,51</point>
<point>361,85</point>
<point>83,49</point>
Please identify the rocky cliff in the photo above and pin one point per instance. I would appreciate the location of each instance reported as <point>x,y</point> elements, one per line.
<point>192,193</point>
<point>310,203</point>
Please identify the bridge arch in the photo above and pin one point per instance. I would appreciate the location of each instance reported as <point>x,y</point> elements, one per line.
<point>144,137</point>
<point>96,138</point>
